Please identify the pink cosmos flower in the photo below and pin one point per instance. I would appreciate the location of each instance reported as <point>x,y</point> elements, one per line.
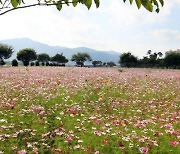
<point>174,143</point>
<point>22,152</point>
<point>57,149</point>
<point>141,139</point>
<point>143,150</point>
<point>97,152</point>
<point>72,111</point>
<point>35,150</point>
<point>69,138</point>
<point>105,140</point>
<point>116,122</point>
<point>96,121</point>
<point>46,134</point>
<point>176,133</point>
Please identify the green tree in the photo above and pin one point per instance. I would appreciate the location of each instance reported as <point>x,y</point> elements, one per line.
<point>60,58</point>
<point>160,54</point>
<point>43,57</point>
<point>97,63</point>
<point>172,59</point>
<point>5,52</point>
<point>111,64</point>
<point>153,59</point>
<point>80,58</point>
<point>26,55</point>
<point>128,60</point>
<point>10,5</point>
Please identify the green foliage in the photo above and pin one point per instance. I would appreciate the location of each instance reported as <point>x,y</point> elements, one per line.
<point>97,2</point>
<point>128,60</point>
<point>5,51</point>
<point>97,63</point>
<point>26,55</point>
<point>150,5</point>
<point>2,62</point>
<point>138,3</point>
<point>14,62</point>
<point>152,60</point>
<point>104,64</point>
<point>75,2</point>
<point>80,58</point>
<point>15,3</point>
<point>43,57</point>
<point>59,5</point>
<point>59,58</point>
<point>32,64</point>
<point>111,64</point>
<point>47,63</point>
<point>37,63</point>
<point>172,59</point>
<point>42,63</point>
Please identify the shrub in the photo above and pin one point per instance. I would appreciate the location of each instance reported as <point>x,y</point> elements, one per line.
<point>32,64</point>
<point>14,62</point>
<point>37,63</point>
<point>2,62</point>
<point>47,63</point>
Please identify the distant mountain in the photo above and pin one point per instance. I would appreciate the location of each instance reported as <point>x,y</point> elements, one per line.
<point>21,43</point>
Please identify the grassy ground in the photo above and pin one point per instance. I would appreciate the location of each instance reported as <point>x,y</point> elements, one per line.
<point>89,110</point>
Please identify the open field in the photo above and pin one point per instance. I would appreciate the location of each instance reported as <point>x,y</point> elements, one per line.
<point>89,110</point>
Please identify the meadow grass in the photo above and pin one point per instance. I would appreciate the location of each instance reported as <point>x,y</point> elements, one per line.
<point>89,110</point>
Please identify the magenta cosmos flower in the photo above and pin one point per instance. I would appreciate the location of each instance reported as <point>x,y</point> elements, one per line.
<point>22,152</point>
<point>174,143</point>
<point>143,150</point>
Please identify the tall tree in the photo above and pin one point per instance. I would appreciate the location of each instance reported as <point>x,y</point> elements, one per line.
<point>60,58</point>
<point>43,57</point>
<point>111,64</point>
<point>128,60</point>
<point>5,52</point>
<point>10,5</point>
<point>153,59</point>
<point>172,59</point>
<point>26,55</point>
<point>80,58</point>
<point>97,63</point>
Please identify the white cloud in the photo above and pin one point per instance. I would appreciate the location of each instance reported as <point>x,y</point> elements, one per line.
<point>48,25</point>
<point>126,15</point>
<point>113,26</point>
<point>166,35</point>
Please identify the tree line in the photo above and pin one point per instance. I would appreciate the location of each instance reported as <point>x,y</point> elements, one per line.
<point>152,60</point>
<point>28,56</point>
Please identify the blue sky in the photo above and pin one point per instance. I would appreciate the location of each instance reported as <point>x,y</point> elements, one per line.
<point>114,26</point>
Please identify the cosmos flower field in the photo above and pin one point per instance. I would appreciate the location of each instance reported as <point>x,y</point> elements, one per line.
<point>89,110</point>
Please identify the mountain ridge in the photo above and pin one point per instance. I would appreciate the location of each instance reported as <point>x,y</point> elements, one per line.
<point>21,43</point>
